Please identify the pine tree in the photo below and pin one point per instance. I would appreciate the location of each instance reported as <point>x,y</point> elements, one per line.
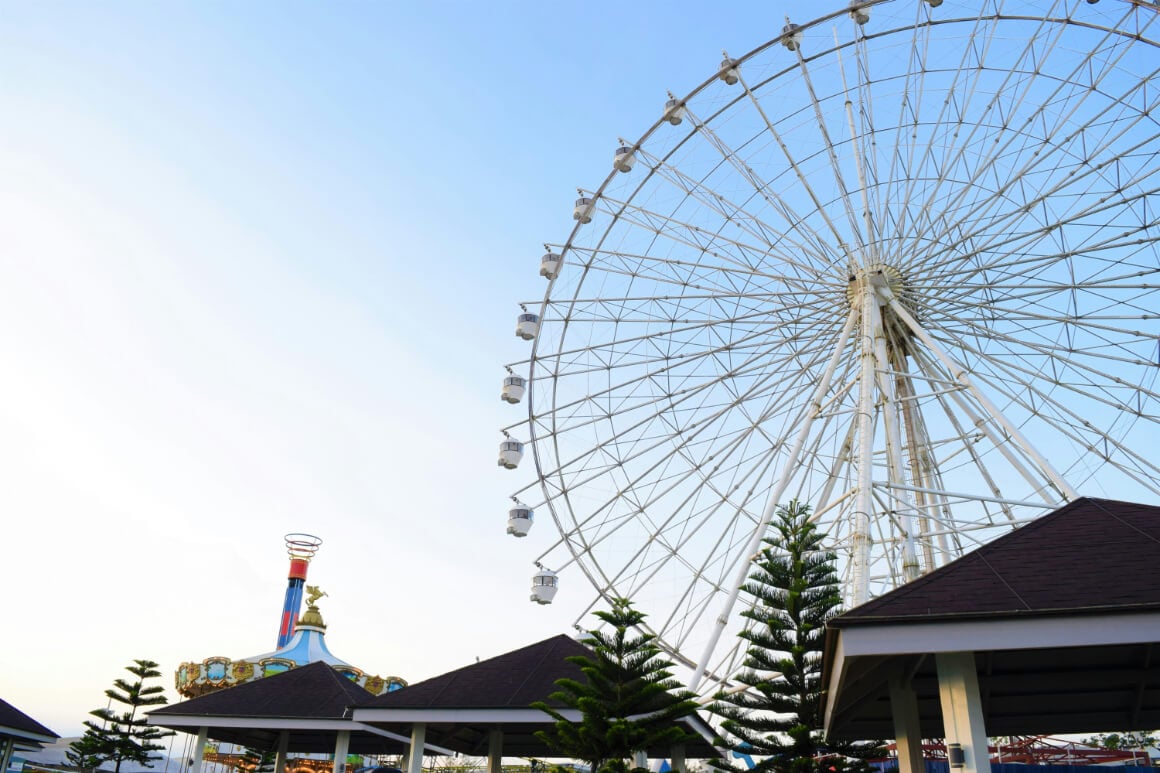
<point>627,702</point>
<point>124,736</point>
<point>87,752</point>
<point>777,718</point>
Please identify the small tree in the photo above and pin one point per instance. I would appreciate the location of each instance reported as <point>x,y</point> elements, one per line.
<point>87,752</point>
<point>124,736</point>
<point>627,702</point>
<point>776,719</point>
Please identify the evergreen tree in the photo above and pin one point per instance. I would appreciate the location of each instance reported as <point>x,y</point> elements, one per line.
<point>124,736</point>
<point>777,718</point>
<point>627,702</point>
<point>87,752</point>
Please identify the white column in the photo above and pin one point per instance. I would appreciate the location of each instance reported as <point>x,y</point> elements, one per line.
<point>962,710</point>
<point>907,732</point>
<point>199,750</point>
<point>495,751</point>
<point>418,739</point>
<point>341,747</point>
<point>677,758</point>
<point>640,759</point>
<point>283,752</point>
<point>6,755</point>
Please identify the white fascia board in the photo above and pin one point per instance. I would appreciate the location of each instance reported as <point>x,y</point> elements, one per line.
<point>436,716</point>
<point>838,666</point>
<point>1005,634</point>
<point>258,723</point>
<point>15,732</point>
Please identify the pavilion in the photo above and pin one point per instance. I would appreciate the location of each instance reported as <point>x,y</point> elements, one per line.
<point>20,731</point>
<point>1053,628</point>
<point>481,709</point>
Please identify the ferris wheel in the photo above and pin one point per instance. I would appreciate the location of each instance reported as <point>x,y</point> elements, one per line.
<point>902,263</point>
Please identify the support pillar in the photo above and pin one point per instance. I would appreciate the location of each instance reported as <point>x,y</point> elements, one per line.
<point>199,750</point>
<point>341,748</point>
<point>495,751</point>
<point>282,752</point>
<point>6,754</point>
<point>640,759</point>
<point>418,740</point>
<point>962,710</point>
<point>677,758</point>
<point>907,730</point>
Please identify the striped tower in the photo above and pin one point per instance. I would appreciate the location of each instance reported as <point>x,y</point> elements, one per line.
<point>301,548</point>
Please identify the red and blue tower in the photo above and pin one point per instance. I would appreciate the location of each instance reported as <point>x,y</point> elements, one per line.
<point>301,548</point>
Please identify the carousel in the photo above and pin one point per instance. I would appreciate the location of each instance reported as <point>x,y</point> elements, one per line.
<point>301,640</point>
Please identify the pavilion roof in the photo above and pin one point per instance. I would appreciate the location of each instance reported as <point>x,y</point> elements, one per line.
<point>14,723</point>
<point>1089,556</point>
<point>514,679</point>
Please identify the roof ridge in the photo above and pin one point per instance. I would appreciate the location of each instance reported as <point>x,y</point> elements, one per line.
<point>1006,584</point>
<point>1133,527</point>
<point>529,672</point>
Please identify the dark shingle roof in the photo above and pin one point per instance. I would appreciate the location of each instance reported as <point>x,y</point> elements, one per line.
<point>1091,555</point>
<point>514,679</point>
<point>313,691</point>
<point>13,719</point>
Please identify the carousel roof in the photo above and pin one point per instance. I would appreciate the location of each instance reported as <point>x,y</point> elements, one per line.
<point>308,645</point>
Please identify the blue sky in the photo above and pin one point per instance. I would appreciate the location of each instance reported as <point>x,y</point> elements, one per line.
<point>258,274</point>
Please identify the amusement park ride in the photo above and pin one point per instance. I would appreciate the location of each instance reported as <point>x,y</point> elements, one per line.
<point>301,640</point>
<point>899,262</point>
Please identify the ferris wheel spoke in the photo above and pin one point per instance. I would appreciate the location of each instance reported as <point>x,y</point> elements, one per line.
<point>742,255</point>
<point>634,352</point>
<point>621,436</point>
<point>1044,193</point>
<point>819,208</point>
<point>1063,417</point>
<point>1032,54</point>
<point>762,188</point>
<point>1006,236</point>
<point>835,168</point>
<point>953,119</point>
<point>736,215</point>
<point>686,275</point>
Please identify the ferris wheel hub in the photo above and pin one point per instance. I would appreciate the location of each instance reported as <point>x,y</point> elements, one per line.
<point>878,275</point>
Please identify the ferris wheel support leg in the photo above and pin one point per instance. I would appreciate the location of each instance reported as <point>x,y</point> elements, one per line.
<point>960,375</point>
<point>871,321</point>
<point>814,408</point>
<point>897,492</point>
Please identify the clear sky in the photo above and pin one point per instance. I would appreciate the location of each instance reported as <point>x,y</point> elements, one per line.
<point>258,271</point>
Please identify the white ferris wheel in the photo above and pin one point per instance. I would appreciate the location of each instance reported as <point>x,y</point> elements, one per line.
<point>901,262</point>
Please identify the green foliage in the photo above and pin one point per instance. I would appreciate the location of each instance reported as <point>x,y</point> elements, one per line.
<point>776,719</point>
<point>1124,740</point>
<point>87,752</point>
<point>260,760</point>
<point>123,735</point>
<point>628,700</point>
